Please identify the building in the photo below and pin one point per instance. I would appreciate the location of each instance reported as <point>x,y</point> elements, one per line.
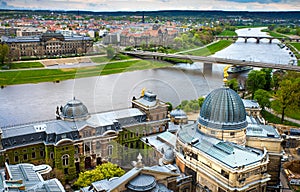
<point>223,153</point>
<point>78,140</point>
<point>27,177</point>
<point>140,178</point>
<point>47,45</point>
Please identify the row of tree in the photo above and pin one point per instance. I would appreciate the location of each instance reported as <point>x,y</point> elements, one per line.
<point>282,87</point>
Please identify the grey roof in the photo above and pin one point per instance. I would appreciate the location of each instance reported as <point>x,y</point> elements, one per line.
<point>23,39</point>
<point>162,141</point>
<point>54,130</point>
<point>178,113</point>
<point>142,182</point>
<point>75,109</point>
<point>31,179</point>
<point>256,130</point>
<point>149,99</point>
<point>223,109</point>
<point>136,179</point>
<point>230,154</point>
<point>250,103</point>
<point>109,118</point>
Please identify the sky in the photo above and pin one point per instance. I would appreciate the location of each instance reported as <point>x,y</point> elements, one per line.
<point>153,5</point>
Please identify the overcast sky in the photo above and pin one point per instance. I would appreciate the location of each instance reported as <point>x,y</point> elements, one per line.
<point>152,5</point>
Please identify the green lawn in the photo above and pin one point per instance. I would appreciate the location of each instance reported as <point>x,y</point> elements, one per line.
<point>296,45</point>
<point>228,33</point>
<point>51,75</point>
<point>103,59</point>
<point>211,49</point>
<point>273,33</point>
<point>23,65</point>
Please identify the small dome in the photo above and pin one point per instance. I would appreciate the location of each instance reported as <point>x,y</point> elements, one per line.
<point>74,110</point>
<point>178,113</point>
<point>169,156</point>
<point>142,182</point>
<point>223,109</point>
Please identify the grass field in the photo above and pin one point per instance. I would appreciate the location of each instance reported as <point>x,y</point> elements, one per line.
<point>54,75</point>
<point>228,33</point>
<point>211,49</point>
<point>273,33</point>
<point>24,65</point>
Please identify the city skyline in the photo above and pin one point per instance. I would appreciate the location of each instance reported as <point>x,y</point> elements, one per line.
<point>153,5</point>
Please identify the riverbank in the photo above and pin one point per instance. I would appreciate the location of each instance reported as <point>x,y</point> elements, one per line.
<point>57,75</point>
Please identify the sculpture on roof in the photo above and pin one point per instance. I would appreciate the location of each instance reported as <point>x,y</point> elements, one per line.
<point>143,92</point>
<point>226,73</point>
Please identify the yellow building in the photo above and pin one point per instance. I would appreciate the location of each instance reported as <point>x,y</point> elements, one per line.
<point>218,152</point>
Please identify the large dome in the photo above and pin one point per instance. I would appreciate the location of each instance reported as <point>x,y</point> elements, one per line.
<point>223,109</point>
<point>74,110</point>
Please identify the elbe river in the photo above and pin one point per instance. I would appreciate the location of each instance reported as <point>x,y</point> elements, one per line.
<point>36,102</point>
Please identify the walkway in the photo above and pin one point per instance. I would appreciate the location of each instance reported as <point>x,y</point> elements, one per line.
<point>279,115</point>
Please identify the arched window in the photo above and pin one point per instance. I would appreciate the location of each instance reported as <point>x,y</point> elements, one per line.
<point>110,150</point>
<point>65,160</point>
<point>98,145</point>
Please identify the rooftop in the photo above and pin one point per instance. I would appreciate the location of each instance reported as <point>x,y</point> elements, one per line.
<point>230,154</point>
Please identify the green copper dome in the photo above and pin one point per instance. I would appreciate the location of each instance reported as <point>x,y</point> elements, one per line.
<point>223,109</point>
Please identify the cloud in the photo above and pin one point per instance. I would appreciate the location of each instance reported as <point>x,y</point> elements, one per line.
<point>257,1</point>
<point>152,5</point>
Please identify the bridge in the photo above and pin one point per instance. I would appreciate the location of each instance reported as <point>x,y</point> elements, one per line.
<point>258,38</point>
<point>208,61</point>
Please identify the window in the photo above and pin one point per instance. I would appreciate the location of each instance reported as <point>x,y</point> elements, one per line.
<point>42,153</point>
<point>98,145</point>
<point>25,157</point>
<point>16,159</point>
<point>51,155</point>
<point>213,132</point>
<point>110,150</point>
<point>65,160</point>
<point>33,155</point>
<point>66,171</point>
<point>232,133</point>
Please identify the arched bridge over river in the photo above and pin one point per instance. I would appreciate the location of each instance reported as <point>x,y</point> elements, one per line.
<point>258,38</point>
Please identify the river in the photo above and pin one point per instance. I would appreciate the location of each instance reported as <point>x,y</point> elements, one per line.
<point>36,102</point>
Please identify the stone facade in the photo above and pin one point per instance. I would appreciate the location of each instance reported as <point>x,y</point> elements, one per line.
<point>47,45</point>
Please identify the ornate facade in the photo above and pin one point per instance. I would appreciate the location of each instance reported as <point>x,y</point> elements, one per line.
<point>47,45</point>
<point>220,151</point>
<point>78,140</point>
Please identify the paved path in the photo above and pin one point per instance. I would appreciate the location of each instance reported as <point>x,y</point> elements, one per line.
<point>285,118</point>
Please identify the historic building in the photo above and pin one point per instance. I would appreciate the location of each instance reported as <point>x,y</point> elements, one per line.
<point>165,177</point>
<point>224,152</point>
<point>78,140</point>
<point>47,45</point>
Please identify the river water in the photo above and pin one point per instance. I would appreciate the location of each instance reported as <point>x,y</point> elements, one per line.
<point>36,102</point>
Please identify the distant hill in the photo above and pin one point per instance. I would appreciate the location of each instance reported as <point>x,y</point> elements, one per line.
<point>294,15</point>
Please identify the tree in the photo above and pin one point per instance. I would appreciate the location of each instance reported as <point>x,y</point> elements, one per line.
<point>256,80</point>
<point>233,84</point>
<point>268,78</point>
<point>104,171</point>
<point>263,98</point>
<point>200,101</point>
<point>4,50</point>
<point>170,106</point>
<point>110,51</point>
<point>288,95</point>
